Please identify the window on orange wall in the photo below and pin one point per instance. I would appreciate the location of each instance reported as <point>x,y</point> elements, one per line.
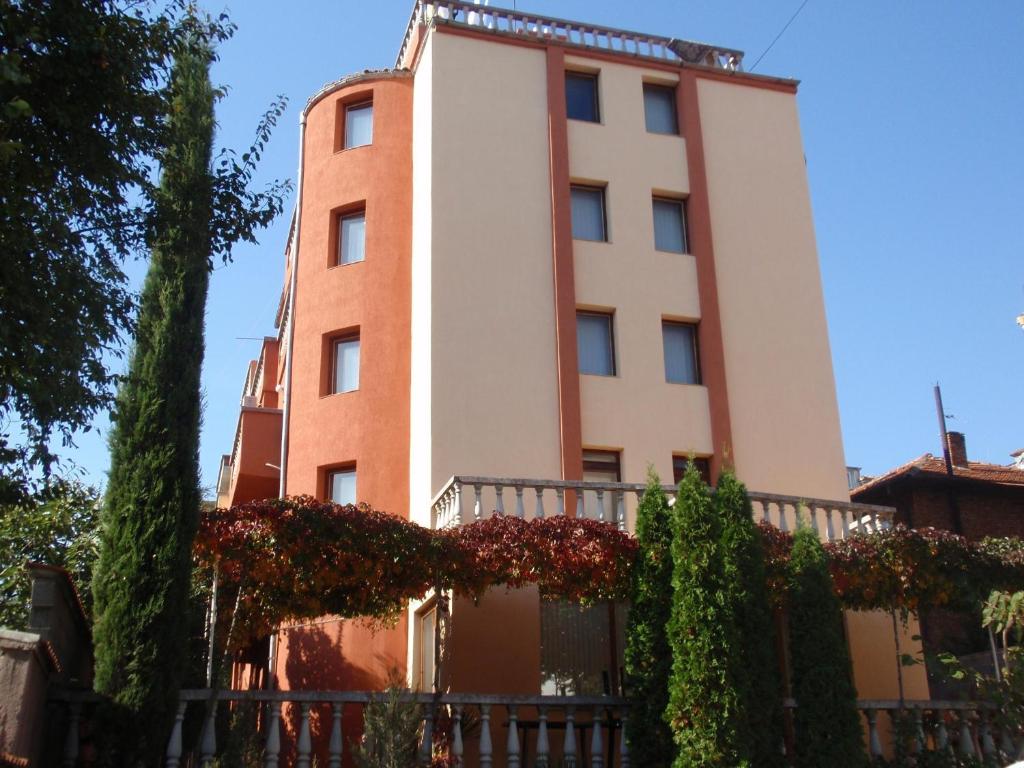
<point>602,466</point>
<point>596,344</point>
<point>680,345</point>
<point>351,237</point>
<point>660,114</point>
<point>346,364</point>
<point>669,225</point>
<point>341,485</point>
<point>680,463</point>
<point>581,101</point>
<point>589,218</point>
<point>358,125</point>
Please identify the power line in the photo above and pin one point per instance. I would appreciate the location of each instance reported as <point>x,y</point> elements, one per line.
<point>781,33</point>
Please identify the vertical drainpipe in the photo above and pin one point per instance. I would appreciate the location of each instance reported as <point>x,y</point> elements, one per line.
<point>272,655</point>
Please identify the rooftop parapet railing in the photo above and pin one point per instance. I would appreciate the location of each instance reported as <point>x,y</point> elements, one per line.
<point>466,498</point>
<point>588,36</point>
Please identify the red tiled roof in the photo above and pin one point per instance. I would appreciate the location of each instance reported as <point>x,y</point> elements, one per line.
<point>931,466</point>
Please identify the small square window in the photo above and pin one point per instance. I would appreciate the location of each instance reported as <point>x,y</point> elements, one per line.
<point>341,486</point>
<point>670,225</point>
<point>358,125</point>
<point>346,365</point>
<point>581,97</point>
<point>588,213</point>
<point>680,463</point>
<point>660,109</point>
<point>602,466</point>
<point>351,237</point>
<point>596,348</point>
<point>680,341</point>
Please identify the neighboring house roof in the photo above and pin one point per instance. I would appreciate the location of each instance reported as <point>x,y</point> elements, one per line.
<point>928,466</point>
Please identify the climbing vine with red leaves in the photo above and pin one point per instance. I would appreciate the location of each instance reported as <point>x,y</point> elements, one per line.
<point>299,558</point>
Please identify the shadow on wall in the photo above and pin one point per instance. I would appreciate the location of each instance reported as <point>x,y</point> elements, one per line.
<point>316,661</point>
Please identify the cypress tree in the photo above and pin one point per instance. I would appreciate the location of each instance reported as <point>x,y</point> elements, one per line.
<point>756,667</point>
<point>648,655</point>
<point>150,515</point>
<point>826,722</point>
<point>704,705</point>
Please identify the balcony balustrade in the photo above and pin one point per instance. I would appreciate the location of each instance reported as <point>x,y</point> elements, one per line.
<point>527,731</point>
<point>587,36</point>
<point>465,498</point>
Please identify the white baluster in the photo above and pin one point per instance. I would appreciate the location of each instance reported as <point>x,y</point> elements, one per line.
<point>543,748</point>
<point>173,744</point>
<point>520,512</point>
<point>71,741</point>
<point>457,747</point>
<point>988,746</point>
<point>815,520</point>
<point>874,742</point>
<point>783,525</point>
<point>486,750</point>
<point>581,509</point>
<point>941,734</point>
<point>600,504</point>
<point>478,509</point>
<point>208,745</point>
<point>273,746</point>
<point>620,514</point>
<point>830,533</point>
<point>569,745</point>
<point>596,746</point>
<point>623,742</point>
<point>538,511</point>
<point>512,743</point>
<point>560,502</point>
<point>458,503</point>
<point>334,747</point>
<point>874,521</point>
<point>966,746</point>
<point>499,503</point>
<point>304,745</point>
<point>919,738</point>
<point>845,514</point>
<point>427,739</point>
<point>511,23</point>
<point>765,516</point>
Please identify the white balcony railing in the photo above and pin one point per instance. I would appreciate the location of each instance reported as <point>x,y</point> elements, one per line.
<point>464,499</point>
<point>531,730</point>
<point>588,36</point>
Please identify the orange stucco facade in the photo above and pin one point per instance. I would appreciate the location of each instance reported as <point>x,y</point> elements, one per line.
<point>465,309</point>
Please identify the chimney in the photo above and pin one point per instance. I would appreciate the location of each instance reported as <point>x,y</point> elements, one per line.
<point>957,448</point>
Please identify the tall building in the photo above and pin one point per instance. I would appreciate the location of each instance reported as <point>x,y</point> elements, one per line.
<point>545,250</point>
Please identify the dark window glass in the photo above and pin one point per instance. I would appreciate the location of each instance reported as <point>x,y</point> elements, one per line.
<point>594,338</point>
<point>670,225</point>
<point>581,97</point>
<point>679,464</point>
<point>680,343</point>
<point>588,214</point>
<point>602,466</point>
<point>660,109</point>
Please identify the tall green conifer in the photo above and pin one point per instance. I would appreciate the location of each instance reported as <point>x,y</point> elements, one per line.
<point>704,705</point>
<point>648,655</point>
<point>755,665</point>
<point>826,723</point>
<point>150,516</point>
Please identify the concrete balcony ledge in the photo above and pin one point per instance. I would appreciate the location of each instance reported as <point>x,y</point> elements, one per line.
<point>256,455</point>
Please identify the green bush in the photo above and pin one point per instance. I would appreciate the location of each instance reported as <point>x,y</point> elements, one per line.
<point>755,664</point>
<point>704,705</point>
<point>648,656</point>
<point>827,726</point>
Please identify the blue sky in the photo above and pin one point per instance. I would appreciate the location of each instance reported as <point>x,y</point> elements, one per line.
<point>913,124</point>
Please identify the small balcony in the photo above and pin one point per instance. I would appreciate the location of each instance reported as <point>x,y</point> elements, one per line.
<point>467,498</point>
<point>255,456</point>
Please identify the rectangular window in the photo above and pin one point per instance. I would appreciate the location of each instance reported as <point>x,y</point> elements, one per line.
<point>341,485</point>
<point>346,365</point>
<point>588,215</point>
<point>581,97</point>
<point>670,225</point>
<point>596,348</point>
<point>352,237</point>
<point>680,463</point>
<point>602,466</point>
<point>660,109</point>
<point>428,621</point>
<point>680,342</point>
<point>358,124</point>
